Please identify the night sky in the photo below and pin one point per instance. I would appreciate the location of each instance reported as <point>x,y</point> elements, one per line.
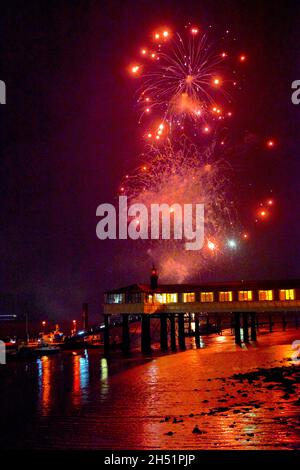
<point>69,134</point>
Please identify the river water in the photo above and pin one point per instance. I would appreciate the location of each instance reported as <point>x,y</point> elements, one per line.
<point>81,400</point>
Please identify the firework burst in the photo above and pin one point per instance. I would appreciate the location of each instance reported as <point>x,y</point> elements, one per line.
<point>178,172</point>
<point>181,81</point>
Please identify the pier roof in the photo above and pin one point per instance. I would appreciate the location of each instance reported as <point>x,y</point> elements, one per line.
<point>210,286</point>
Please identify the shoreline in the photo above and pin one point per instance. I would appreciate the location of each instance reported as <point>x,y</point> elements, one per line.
<point>219,397</point>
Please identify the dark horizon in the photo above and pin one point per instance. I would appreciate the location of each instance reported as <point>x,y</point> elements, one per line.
<point>69,134</point>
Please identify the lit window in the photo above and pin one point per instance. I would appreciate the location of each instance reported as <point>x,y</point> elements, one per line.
<point>172,298</point>
<point>225,296</point>
<point>188,297</point>
<point>160,298</point>
<point>265,295</point>
<point>115,298</point>
<point>149,298</point>
<point>245,295</point>
<point>207,296</point>
<point>166,298</point>
<point>287,294</point>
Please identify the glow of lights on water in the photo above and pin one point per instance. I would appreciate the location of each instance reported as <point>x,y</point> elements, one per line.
<point>104,368</point>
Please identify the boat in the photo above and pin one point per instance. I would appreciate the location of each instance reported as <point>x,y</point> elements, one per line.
<point>27,352</point>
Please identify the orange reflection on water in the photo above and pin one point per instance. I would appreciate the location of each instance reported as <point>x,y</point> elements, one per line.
<point>44,368</point>
<point>80,378</point>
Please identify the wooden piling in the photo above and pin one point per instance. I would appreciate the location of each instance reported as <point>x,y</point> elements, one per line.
<point>197,330</point>
<point>181,334</point>
<point>245,327</point>
<point>172,331</point>
<point>207,323</point>
<point>270,323</point>
<point>237,327</point>
<point>146,335</point>
<point>253,325</point>
<point>163,332</point>
<point>125,334</point>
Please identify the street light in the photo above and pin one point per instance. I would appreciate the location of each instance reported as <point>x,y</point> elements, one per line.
<point>43,325</point>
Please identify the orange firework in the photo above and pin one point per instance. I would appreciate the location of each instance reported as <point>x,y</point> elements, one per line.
<point>178,172</point>
<point>180,78</point>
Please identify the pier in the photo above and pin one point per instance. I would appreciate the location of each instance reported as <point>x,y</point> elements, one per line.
<point>178,306</point>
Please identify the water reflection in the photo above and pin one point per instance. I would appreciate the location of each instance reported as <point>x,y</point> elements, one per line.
<point>45,383</point>
<point>104,370</point>
<point>81,377</point>
<point>156,402</point>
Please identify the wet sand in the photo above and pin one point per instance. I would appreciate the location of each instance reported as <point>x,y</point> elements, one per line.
<point>221,396</point>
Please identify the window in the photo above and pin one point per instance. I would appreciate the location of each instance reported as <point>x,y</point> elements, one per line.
<point>115,298</point>
<point>160,298</point>
<point>188,297</point>
<point>225,296</point>
<point>245,295</point>
<point>133,298</point>
<point>166,298</point>
<point>207,296</point>
<point>265,295</point>
<point>172,298</point>
<point>287,294</point>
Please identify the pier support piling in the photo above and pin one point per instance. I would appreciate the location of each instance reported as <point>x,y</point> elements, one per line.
<point>106,334</point>
<point>181,334</point>
<point>173,332</point>
<point>163,332</point>
<point>237,327</point>
<point>270,323</point>
<point>253,325</point>
<point>190,323</point>
<point>146,335</point>
<point>197,330</point>
<point>245,327</point>
<point>125,334</point>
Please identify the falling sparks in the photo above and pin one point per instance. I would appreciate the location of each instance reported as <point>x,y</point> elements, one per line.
<point>216,81</point>
<point>270,144</point>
